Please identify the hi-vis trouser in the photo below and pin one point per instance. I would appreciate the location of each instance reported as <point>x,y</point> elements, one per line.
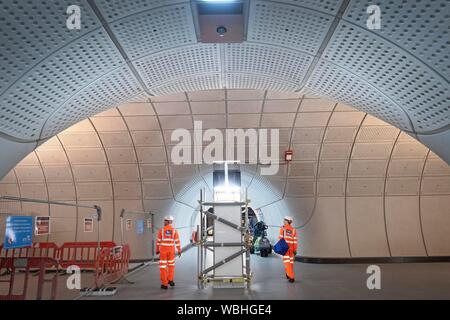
<point>288,261</point>
<point>167,265</point>
<point>290,236</point>
<point>167,240</point>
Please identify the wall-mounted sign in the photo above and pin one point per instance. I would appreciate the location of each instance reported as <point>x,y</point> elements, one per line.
<point>288,155</point>
<point>128,224</point>
<point>42,225</point>
<point>140,226</point>
<point>88,224</point>
<point>19,232</point>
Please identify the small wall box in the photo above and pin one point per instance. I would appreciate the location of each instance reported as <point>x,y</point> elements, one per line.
<point>288,154</point>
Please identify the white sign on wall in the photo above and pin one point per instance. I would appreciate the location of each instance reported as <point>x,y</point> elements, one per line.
<point>128,224</point>
<point>88,224</point>
<point>42,225</point>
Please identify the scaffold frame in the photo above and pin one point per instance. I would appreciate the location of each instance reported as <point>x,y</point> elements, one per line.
<point>204,245</point>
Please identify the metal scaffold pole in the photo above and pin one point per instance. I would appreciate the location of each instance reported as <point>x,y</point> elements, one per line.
<point>200,243</point>
<point>246,240</point>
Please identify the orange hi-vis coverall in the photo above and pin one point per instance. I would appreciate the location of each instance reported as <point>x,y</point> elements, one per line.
<point>167,240</point>
<point>289,234</point>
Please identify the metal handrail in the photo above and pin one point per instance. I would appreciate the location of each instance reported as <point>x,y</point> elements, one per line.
<point>97,209</point>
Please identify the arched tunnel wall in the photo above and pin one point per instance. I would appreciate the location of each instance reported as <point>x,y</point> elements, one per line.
<point>357,186</point>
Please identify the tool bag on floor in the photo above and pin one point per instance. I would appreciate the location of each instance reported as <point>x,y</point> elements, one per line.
<point>281,247</point>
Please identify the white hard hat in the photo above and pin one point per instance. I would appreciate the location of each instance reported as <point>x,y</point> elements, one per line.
<point>288,218</point>
<point>168,218</point>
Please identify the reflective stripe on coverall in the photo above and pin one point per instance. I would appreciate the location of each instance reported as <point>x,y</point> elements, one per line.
<point>289,234</point>
<point>167,240</point>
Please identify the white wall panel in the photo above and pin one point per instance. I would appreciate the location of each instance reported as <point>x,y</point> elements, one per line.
<point>366,229</point>
<point>61,191</point>
<point>147,138</point>
<point>436,223</point>
<point>58,173</point>
<point>9,189</point>
<point>124,172</point>
<point>331,187</point>
<point>325,235</point>
<point>402,186</point>
<point>34,190</point>
<point>403,226</point>
<point>121,155</point>
<point>94,191</point>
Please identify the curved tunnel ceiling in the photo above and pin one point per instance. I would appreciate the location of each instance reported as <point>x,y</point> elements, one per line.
<point>52,77</point>
<point>345,161</point>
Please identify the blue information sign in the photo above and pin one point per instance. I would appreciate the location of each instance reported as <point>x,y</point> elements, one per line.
<point>140,226</point>
<point>19,232</point>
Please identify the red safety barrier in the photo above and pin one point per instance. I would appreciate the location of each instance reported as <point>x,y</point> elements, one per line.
<point>82,254</point>
<point>16,252</point>
<point>38,249</point>
<point>45,249</point>
<point>112,265</point>
<point>14,264</point>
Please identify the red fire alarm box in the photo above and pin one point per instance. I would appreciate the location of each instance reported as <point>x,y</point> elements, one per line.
<point>288,154</point>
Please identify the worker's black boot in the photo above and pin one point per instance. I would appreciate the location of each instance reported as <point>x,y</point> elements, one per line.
<point>287,277</point>
<point>164,287</point>
<point>172,284</point>
<point>291,280</point>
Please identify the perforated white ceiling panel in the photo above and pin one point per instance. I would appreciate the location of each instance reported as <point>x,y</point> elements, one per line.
<point>111,90</point>
<point>185,63</point>
<point>287,26</point>
<point>155,30</point>
<point>419,27</point>
<point>258,60</point>
<point>325,6</point>
<point>23,44</point>
<point>52,77</point>
<point>117,9</point>
<point>336,83</point>
<point>412,85</point>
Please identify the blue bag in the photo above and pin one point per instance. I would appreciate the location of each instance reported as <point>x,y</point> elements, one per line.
<point>281,247</point>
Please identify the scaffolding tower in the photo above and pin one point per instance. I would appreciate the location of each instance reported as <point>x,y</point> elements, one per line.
<point>224,244</point>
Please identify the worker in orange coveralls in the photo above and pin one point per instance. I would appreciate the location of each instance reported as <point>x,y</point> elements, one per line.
<point>289,233</point>
<point>168,239</point>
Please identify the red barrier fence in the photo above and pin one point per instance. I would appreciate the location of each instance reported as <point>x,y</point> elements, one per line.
<point>110,263</point>
<point>38,249</point>
<point>14,264</point>
<point>82,254</point>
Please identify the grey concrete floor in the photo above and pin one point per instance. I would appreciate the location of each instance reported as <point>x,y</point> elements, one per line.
<point>87,280</point>
<point>314,281</point>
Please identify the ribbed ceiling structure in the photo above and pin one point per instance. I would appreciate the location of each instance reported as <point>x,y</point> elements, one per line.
<point>357,186</point>
<point>52,77</point>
